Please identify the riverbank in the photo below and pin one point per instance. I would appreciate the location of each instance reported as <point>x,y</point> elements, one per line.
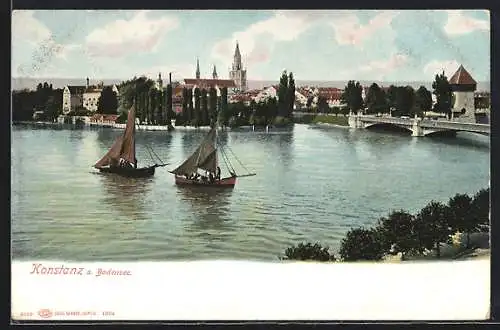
<point>323,119</point>
<point>143,127</point>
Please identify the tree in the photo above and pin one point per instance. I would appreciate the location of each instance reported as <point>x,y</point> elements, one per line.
<point>291,95</point>
<point>405,100</point>
<point>283,95</point>
<point>213,106</point>
<point>224,110</point>
<point>107,102</point>
<point>398,233</point>
<point>197,108</point>
<point>432,226</point>
<point>322,104</point>
<point>169,113</point>
<point>442,90</point>
<point>391,97</point>
<point>461,215</point>
<point>423,100</point>
<point>375,99</point>
<point>129,89</point>
<point>481,208</point>
<point>309,252</point>
<point>361,244</point>
<point>351,96</point>
<point>191,111</point>
<point>204,108</point>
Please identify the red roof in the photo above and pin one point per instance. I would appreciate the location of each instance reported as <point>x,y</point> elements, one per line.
<point>207,83</point>
<point>462,77</point>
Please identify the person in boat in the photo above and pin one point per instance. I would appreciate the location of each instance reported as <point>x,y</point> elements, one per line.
<point>125,163</point>
<point>217,174</point>
<point>211,177</point>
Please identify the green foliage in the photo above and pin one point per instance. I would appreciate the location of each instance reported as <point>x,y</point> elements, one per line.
<point>423,100</point>
<point>204,108</point>
<point>461,215</point>
<point>404,100</point>
<point>442,90</point>
<point>290,95</point>
<point>107,102</point>
<point>376,100</point>
<point>351,96</point>
<point>433,227</point>
<point>23,105</point>
<point>361,244</point>
<point>283,95</point>
<point>197,116</point>
<point>169,112</point>
<point>212,109</point>
<point>481,208</point>
<point>224,114</point>
<point>308,251</point>
<point>130,90</point>
<point>282,121</point>
<point>398,233</point>
<point>322,105</point>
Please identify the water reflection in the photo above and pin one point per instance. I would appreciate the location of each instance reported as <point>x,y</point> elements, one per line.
<point>209,207</point>
<point>126,195</point>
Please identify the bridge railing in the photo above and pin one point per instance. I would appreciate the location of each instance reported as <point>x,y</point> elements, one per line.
<point>455,125</point>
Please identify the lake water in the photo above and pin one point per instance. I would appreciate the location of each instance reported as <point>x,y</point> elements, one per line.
<point>312,184</point>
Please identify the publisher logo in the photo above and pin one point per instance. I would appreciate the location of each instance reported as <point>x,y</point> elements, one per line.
<point>45,313</point>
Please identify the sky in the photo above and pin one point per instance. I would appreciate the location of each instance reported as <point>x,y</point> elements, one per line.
<point>383,45</point>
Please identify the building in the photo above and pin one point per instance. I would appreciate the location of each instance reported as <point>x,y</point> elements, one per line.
<point>463,87</point>
<point>237,73</point>
<point>83,97</point>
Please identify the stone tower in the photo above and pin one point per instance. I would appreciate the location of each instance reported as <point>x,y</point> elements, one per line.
<point>463,87</point>
<point>237,73</point>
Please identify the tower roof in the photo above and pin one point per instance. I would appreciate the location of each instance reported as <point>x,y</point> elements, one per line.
<point>237,50</point>
<point>462,77</point>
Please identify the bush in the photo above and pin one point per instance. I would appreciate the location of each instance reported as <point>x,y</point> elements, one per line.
<point>122,118</point>
<point>308,252</point>
<point>281,121</point>
<point>362,244</point>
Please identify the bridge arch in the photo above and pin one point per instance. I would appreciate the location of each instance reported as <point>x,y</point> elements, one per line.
<point>388,127</point>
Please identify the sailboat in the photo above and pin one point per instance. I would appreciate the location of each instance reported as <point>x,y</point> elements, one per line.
<point>205,160</point>
<point>121,159</point>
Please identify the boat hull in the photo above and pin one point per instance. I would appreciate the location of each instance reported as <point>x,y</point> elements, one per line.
<point>142,172</point>
<point>222,183</point>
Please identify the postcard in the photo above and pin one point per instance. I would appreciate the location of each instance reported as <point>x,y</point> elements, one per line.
<point>250,165</point>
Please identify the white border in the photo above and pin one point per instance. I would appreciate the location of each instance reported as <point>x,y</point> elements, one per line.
<point>239,290</point>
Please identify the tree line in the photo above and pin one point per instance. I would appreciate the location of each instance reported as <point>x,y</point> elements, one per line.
<point>48,100</point>
<point>406,233</point>
<point>45,98</point>
<point>400,100</point>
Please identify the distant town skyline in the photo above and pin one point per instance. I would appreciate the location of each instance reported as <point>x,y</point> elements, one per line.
<point>408,45</point>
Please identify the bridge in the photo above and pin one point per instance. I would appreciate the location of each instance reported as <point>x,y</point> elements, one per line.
<point>418,126</point>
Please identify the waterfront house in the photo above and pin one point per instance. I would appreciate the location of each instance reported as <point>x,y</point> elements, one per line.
<point>83,97</point>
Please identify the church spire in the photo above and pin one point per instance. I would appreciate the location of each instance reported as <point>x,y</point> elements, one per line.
<point>197,68</point>
<point>214,74</point>
<point>237,58</point>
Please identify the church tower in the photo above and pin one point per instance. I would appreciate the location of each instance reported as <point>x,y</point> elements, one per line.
<point>214,74</point>
<point>237,73</point>
<point>197,68</point>
<point>159,82</point>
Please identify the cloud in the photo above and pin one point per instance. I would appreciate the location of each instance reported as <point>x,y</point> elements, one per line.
<point>34,38</point>
<point>27,28</point>
<point>386,66</point>
<point>258,38</point>
<point>434,67</point>
<point>458,23</point>
<point>139,34</point>
<point>349,30</point>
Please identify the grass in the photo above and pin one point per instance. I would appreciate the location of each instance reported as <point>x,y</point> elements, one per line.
<point>324,119</point>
